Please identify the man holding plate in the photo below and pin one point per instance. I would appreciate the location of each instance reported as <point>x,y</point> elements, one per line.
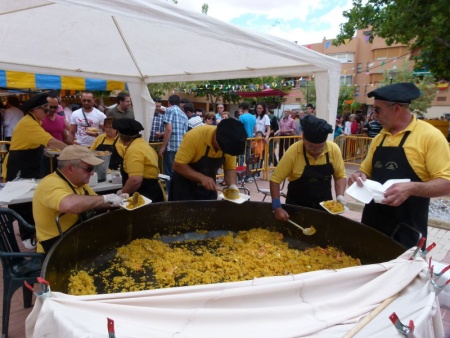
<point>202,152</point>
<point>309,165</point>
<point>67,191</point>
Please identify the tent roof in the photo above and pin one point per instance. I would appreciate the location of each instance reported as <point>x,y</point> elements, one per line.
<point>134,40</point>
<point>150,41</point>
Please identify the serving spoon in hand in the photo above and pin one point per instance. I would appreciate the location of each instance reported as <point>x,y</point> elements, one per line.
<point>306,231</point>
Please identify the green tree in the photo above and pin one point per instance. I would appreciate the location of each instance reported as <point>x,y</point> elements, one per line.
<point>421,24</point>
<point>308,89</point>
<point>205,7</point>
<point>424,83</point>
<point>346,92</point>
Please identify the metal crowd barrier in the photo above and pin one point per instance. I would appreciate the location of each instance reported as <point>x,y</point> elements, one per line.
<point>354,148</point>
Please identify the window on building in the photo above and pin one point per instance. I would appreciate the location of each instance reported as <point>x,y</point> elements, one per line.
<point>389,53</point>
<point>343,57</point>
<point>376,78</point>
<point>359,68</point>
<point>357,90</point>
<point>346,80</point>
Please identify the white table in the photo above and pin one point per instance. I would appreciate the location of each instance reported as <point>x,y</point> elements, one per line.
<point>99,187</point>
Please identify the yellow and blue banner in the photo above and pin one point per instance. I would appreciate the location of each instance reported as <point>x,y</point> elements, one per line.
<point>22,80</point>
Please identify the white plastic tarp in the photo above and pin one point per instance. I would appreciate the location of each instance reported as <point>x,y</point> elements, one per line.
<point>325,303</point>
<point>150,41</point>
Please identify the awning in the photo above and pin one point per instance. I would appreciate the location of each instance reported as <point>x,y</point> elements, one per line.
<point>22,80</point>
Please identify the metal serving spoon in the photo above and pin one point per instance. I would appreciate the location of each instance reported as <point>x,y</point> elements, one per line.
<point>306,231</point>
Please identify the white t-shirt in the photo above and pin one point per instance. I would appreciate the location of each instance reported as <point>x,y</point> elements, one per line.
<point>11,117</point>
<point>95,119</point>
<point>261,124</point>
<point>348,127</point>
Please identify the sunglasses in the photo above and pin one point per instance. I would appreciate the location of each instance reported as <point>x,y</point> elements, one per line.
<point>44,108</point>
<point>211,118</point>
<point>53,107</point>
<point>88,169</point>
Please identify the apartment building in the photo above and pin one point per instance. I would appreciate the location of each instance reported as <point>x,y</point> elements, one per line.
<point>364,65</point>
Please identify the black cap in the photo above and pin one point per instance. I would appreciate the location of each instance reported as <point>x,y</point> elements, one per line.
<point>403,92</point>
<point>315,130</point>
<point>36,101</point>
<point>231,136</point>
<point>127,127</point>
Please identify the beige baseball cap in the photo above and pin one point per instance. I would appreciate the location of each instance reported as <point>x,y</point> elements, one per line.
<point>77,152</point>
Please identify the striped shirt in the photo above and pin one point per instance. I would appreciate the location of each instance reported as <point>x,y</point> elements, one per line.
<point>157,127</point>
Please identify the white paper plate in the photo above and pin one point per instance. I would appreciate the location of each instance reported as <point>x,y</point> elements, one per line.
<point>125,203</point>
<point>242,198</point>
<point>334,213</point>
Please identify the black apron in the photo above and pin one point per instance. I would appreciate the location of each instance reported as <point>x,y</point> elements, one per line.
<point>313,187</point>
<point>183,189</point>
<point>149,188</point>
<point>392,163</point>
<point>26,161</point>
<point>116,160</point>
<point>47,244</point>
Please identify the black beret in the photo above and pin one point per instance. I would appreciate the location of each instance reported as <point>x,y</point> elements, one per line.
<point>35,101</point>
<point>315,130</point>
<point>127,127</point>
<point>398,92</point>
<point>231,136</point>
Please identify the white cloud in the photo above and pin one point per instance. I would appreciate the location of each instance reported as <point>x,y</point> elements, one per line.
<point>278,14</point>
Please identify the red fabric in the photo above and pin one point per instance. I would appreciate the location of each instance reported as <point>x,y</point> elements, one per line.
<point>354,127</point>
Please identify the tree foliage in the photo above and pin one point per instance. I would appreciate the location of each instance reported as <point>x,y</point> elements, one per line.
<point>423,25</point>
<point>426,85</point>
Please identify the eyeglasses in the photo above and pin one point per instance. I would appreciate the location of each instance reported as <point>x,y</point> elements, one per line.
<point>44,108</point>
<point>127,101</point>
<point>53,107</point>
<point>88,169</point>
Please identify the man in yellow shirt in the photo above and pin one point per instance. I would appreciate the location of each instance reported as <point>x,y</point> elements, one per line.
<point>67,191</point>
<point>202,152</point>
<point>309,165</point>
<point>405,148</point>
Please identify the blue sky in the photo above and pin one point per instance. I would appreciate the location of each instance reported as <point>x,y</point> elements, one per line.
<point>304,21</point>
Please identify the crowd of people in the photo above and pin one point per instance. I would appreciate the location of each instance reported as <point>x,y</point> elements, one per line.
<point>194,145</point>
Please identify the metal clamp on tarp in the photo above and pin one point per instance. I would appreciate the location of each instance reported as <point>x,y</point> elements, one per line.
<point>426,250</point>
<point>434,277</point>
<point>406,330</point>
<point>419,246</point>
<point>45,288</point>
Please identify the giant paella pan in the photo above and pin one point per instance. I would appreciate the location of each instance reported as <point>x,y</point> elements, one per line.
<point>92,243</point>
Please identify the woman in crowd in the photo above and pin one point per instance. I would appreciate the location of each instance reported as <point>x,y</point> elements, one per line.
<point>338,130</point>
<point>140,162</point>
<point>210,118</point>
<point>109,141</point>
<point>262,121</point>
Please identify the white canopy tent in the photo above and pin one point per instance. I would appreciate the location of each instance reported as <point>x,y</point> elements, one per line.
<point>150,41</point>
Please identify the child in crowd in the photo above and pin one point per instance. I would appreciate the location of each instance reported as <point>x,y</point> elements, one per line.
<point>257,147</point>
